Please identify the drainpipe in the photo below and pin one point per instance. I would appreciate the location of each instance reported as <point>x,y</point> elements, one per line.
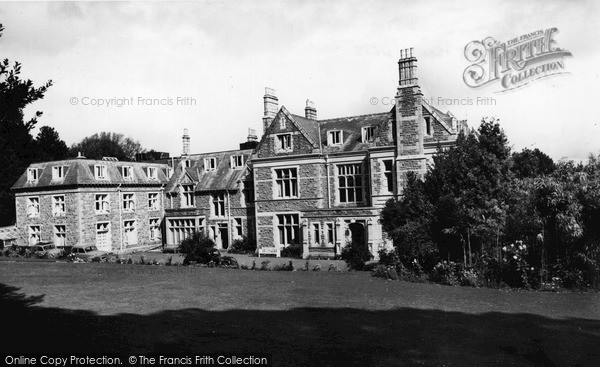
<point>328,183</point>
<point>119,203</point>
<point>162,214</point>
<point>228,219</point>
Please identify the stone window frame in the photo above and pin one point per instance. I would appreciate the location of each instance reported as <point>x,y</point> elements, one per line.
<point>238,226</point>
<point>348,188</point>
<point>326,230</point>
<point>315,228</point>
<point>276,186</point>
<point>59,208</point>
<point>169,172</point>
<point>33,207</point>
<point>178,228</point>
<point>289,228</point>
<point>60,235</point>
<point>388,175</point>
<point>428,125</point>
<point>280,146</point>
<point>128,201</point>
<point>103,202</point>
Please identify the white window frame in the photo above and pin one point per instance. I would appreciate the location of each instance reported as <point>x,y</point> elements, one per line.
<point>187,196</point>
<point>237,161</point>
<point>326,229</point>
<point>368,134</point>
<point>279,183</point>
<point>33,207</point>
<point>153,201</point>
<point>219,205</point>
<point>388,175</point>
<point>59,205</point>
<point>103,230</point>
<point>210,164</point>
<point>169,172</point>
<point>152,173</point>
<point>103,200</point>
<point>335,137</point>
<point>33,175</point>
<point>154,228</point>
<point>129,175</point>
<point>130,226</point>
<point>100,172</point>
<point>281,144</point>
<point>428,126</point>
<point>34,232</point>
<point>282,122</point>
<point>60,235</point>
<point>58,172</point>
<point>350,188</point>
<point>128,201</point>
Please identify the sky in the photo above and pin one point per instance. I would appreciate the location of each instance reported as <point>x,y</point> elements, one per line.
<point>219,56</point>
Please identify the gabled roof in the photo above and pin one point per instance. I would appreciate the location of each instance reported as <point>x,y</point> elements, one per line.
<point>81,172</point>
<point>8,233</point>
<point>223,177</point>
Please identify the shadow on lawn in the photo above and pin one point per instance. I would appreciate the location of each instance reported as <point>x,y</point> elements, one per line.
<point>308,336</point>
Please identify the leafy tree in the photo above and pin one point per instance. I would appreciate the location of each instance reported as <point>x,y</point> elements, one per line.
<point>107,144</point>
<point>17,147</point>
<point>531,163</point>
<point>49,145</point>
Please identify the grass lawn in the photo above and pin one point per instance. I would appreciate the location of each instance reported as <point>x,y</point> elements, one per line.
<point>300,318</point>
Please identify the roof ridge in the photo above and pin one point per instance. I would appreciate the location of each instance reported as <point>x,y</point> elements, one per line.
<point>345,117</point>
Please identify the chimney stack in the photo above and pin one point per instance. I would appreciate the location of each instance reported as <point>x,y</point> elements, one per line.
<point>252,141</point>
<point>310,112</point>
<point>407,66</point>
<point>271,107</point>
<point>186,142</point>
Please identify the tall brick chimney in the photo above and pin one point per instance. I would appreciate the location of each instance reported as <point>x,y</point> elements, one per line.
<point>410,155</point>
<point>271,107</point>
<point>186,142</point>
<point>310,111</point>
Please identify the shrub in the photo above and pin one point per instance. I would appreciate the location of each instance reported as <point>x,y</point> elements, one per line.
<point>446,272</point>
<point>333,268</point>
<point>242,245</point>
<point>317,267</point>
<point>386,272</point>
<point>198,248</point>
<point>292,251</point>
<point>356,255</point>
<point>284,267</point>
<point>264,265</point>
<point>469,278</point>
<point>229,262</point>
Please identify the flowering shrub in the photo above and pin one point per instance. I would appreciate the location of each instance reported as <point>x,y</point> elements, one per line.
<point>386,272</point>
<point>446,272</point>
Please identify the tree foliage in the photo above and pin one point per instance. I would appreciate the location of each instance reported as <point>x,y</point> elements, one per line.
<point>107,144</point>
<point>17,146</point>
<point>49,146</point>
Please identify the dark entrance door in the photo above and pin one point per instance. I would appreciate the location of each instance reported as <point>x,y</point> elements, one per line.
<point>358,233</point>
<point>224,233</point>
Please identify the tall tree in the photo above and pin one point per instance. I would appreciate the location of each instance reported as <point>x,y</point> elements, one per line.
<point>17,147</point>
<point>107,144</point>
<point>531,163</point>
<point>49,145</point>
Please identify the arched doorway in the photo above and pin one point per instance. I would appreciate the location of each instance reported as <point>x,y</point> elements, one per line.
<point>357,233</point>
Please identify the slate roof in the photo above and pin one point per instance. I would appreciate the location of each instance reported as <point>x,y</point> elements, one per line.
<point>8,233</point>
<point>223,177</point>
<point>80,172</point>
<point>352,131</point>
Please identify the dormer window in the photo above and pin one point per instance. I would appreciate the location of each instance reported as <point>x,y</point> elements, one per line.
<point>32,175</point>
<point>210,164</point>
<point>334,137</point>
<point>185,163</point>
<point>169,172</point>
<point>152,174</point>
<point>128,173</point>
<point>284,142</point>
<point>58,172</point>
<point>237,161</point>
<point>368,133</point>
<point>100,172</point>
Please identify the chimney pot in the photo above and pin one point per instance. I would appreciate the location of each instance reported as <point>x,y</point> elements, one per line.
<point>310,112</point>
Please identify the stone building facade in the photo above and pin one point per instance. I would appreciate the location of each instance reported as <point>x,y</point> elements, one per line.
<point>309,184</point>
<point>114,205</point>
